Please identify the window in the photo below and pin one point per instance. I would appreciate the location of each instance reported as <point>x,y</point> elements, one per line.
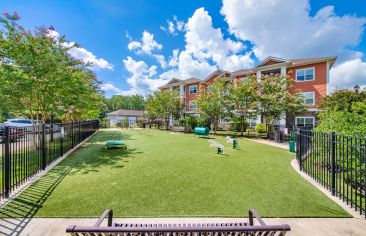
<point>244,79</point>
<point>193,89</point>
<point>305,74</point>
<point>309,98</point>
<point>209,89</point>
<point>192,106</point>
<point>304,121</point>
<point>254,121</point>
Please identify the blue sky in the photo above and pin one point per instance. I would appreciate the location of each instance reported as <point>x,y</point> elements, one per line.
<point>206,35</point>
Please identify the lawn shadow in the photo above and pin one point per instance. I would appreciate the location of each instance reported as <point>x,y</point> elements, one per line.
<point>15,215</point>
<point>96,156</point>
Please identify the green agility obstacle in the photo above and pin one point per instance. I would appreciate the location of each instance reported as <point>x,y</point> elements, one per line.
<point>115,144</point>
<point>201,131</point>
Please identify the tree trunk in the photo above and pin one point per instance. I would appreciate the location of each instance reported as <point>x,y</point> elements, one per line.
<point>241,126</point>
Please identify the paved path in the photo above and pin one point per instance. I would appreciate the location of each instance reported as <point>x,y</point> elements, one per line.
<point>269,142</point>
<point>299,226</point>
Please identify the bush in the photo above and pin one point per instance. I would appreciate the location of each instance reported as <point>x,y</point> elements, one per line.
<point>189,122</point>
<point>236,126</point>
<point>261,128</point>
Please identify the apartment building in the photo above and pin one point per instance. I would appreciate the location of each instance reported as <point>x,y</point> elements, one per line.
<point>310,77</point>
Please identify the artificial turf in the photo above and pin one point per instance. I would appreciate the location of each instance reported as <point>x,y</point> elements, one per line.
<point>168,174</point>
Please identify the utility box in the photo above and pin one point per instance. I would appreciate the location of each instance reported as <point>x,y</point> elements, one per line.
<point>291,146</point>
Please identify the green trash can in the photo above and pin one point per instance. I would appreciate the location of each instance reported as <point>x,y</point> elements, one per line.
<point>291,146</point>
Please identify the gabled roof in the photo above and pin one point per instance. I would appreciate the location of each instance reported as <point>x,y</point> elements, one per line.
<point>122,112</point>
<point>275,59</point>
<point>217,72</point>
<point>192,80</point>
<point>174,80</point>
<point>304,61</point>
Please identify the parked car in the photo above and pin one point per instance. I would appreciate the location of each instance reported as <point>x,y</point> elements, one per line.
<point>19,122</point>
<point>14,134</point>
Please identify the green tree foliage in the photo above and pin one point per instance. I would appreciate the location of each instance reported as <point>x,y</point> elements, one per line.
<point>276,98</point>
<point>344,111</point>
<point>164,105</point>
<point>212,102</point>
<point>40,78</point>
<point>134,102</point>
<point>242,102</point>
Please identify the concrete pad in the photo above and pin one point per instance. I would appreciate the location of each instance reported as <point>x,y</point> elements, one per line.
<point>299,226</point>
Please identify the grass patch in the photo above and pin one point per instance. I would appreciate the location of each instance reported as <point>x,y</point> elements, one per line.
<point>164,174</point>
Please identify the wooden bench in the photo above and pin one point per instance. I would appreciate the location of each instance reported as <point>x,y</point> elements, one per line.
<point>216,229</point>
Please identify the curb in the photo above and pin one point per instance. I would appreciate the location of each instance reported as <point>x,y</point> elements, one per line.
<point>335,199</point>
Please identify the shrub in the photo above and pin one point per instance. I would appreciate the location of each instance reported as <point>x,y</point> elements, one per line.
<point>189,122</point>
<point>261,128</point>
<point>236,126</point>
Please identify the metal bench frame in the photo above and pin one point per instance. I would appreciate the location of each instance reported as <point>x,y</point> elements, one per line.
<point>180,229</point>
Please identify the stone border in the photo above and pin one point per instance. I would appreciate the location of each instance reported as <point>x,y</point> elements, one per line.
<point>347,208</point>
<point>36,177</point>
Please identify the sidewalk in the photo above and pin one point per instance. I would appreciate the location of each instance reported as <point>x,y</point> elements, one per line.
<point>299,226</point>
<point>268,142</point>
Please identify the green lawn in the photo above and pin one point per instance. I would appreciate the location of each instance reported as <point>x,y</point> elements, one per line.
<point>165,174</point>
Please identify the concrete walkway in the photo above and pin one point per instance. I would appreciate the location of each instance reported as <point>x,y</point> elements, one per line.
<point>268,142</point>
<point>299,226</point>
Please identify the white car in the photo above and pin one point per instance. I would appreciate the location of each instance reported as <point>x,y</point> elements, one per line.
<point>19,123</point>
<point>24,123</point>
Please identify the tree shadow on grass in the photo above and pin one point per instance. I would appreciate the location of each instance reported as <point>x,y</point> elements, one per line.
<point>93,158</point>
<point>16,214</point>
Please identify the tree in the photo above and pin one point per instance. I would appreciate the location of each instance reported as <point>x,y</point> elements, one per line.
<point>276,97</point>
<point>242,103</point>
<point>164,105</point>
<point>344,112</point>
<point>134,102</point>
<point>212,102</point>
<point>41,79</point>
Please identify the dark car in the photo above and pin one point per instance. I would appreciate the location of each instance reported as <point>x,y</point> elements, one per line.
<point>14,133</point>
<point>2,133</point>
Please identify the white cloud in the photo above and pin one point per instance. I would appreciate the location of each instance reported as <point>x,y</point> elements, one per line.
<point>174,26</point>
<point>206,43</point>
<point>88,57</point>
<point>146,46</point>
<point>285,28</point>
<point>82,54</point>
<point>161,59</point>
<point>108,87</point>
<point>141,79</point>
<point>348,74</point>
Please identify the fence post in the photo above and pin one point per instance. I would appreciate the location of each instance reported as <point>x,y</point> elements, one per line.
<point>51,127</point>
<point>62,134</point>
<point>72,134</point>
<point>79,132</point>
<point>43,147</point>
<point>300,148</point>
<point>332,156</point>
<point>7,166</point>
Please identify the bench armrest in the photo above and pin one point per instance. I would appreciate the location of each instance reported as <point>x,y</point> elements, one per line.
<point>254,214</point>
<point>106,213</point>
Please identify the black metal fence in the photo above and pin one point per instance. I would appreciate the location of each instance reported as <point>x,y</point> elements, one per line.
<point>337,162</point>
<point>27,150</point>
